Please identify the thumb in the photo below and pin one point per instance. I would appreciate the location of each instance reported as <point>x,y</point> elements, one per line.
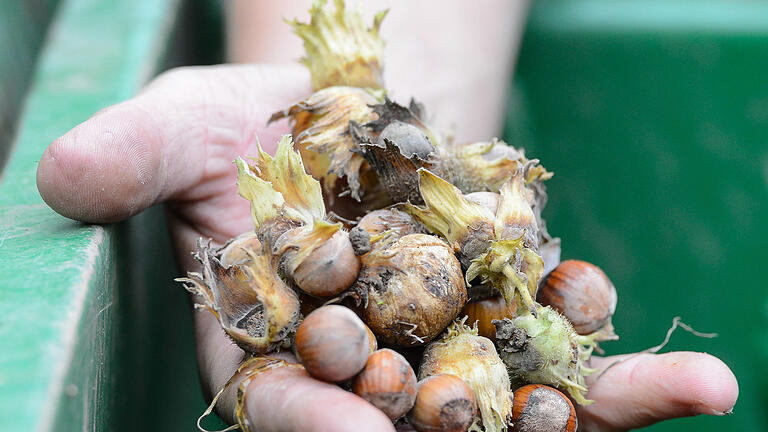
<point>181,133</point>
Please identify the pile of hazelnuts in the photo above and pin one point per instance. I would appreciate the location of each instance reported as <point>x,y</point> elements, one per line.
<point>434,259</point>
<point>334,345</point>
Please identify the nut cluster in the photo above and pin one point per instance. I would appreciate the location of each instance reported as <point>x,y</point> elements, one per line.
<point>442,263</point>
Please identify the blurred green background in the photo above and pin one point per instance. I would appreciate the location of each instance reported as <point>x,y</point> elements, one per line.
<point>652,114</point>
<point>654,117</point>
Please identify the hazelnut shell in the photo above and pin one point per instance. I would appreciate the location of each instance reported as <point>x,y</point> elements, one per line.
<point>581,292</point>
<point>332,343</point>
<point>387,382</point>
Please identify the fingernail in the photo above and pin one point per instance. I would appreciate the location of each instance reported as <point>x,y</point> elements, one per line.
<point>705,409</point>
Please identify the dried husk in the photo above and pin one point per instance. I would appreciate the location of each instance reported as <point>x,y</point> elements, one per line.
<point>486,165</point>
<point>500,249</point>
<point>321,127</point>
<point>461,352</point>
<point>288,211</point>
<point>340,49</point>
<point>256,309</point>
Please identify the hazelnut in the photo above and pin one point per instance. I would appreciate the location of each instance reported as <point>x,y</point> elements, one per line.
<point>484,311</point>
<point>580,291</point>
<point>538,407</point>
<point>387,382</point>
<point>332,343</point>
<point>444,403</point>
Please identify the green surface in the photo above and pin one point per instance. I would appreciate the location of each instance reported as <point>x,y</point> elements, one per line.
<point>654,118</point>
<point>22,29</point>
<point>94,333</point>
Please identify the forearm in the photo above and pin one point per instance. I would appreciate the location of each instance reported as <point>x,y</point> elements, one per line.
<point>455,57</point>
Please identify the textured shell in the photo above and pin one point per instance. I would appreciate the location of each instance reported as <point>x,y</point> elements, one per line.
<point>538,407</point>
<point>414,289</point>
<point>484,311</point>
<point>329,269</point>
<point>387,382</point>
<point>580,291</point>
<point>379,221</point>
<point>444,403</point>
<point>332,343</point>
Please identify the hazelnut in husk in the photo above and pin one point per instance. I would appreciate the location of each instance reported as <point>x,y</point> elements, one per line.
<point>289,217</point>
<point>239,249</point>
<point>379,224</point>
<point>499,249</point>
<point>320,125</point>
<point>387,382</point>
<point>444,403</point>
<point>545,349</point>
<point>483,312</point>
<point>538,408</point>
<point>332,343</point>
<point>340,49</point>
<point>396,155</point>
<point>254,306</point>
<point>322,269</point>
<point>461,352</point>
<point>486,166</point>
<point>409,288</point>
<point>582,292</point>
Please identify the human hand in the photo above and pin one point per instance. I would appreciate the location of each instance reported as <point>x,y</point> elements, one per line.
<point>174,144</point>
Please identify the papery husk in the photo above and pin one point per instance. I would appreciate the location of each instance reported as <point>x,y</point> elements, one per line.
<point>287,208</point>
<point>467,226</point>
<point>500,249</point>
<point>461,352</point>
<point>340,49</point>
<point>397,173</point>
<point>545,349</point>
<point>256,309</point>
<point>279,188</point>
<point>486,165</point>
<point>389,112</point>
<point>321,127</point>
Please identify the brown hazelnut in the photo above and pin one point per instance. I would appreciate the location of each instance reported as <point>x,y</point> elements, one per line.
<point>484,311</point>
<point>387,382</point>
<point>329,269</point>
<point>332,343</point>
<point>444,403</point>
<point>581,292</point>
<point>537,407</point>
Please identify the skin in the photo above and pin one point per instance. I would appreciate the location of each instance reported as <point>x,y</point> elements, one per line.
<point>174,143</point>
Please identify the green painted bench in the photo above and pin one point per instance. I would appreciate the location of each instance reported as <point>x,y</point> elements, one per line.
<point>653,115</point>
<point>94,333</point>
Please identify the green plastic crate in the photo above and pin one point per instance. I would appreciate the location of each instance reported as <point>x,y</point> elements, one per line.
<point>654,117</point>
<point>95,334</point>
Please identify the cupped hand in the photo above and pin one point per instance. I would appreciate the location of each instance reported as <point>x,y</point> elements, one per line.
<point>174,143</point>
